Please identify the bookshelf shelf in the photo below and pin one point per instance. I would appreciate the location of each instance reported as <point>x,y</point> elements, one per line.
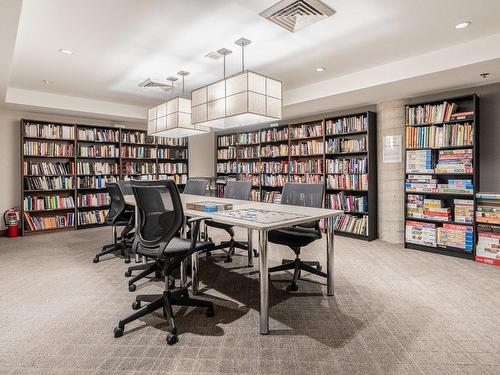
<point>439,128</point>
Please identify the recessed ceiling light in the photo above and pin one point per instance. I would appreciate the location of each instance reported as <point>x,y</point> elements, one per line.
<point>462,25</point>
<point>46,81</point>
<point>65,51</point>
<point>320,69</point>
<point>484,75</point>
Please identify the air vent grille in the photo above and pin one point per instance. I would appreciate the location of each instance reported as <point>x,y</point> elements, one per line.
<point>294,15</point>
<point>155,83</point>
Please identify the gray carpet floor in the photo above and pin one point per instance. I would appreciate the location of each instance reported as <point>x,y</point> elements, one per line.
<point>395,311</point>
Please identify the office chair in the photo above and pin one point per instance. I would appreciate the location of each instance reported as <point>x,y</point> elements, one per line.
<point>234,190</point>
<point>120,214</point>
<point>296,237</point>
<point>196,186</point>
<point>161,216</point>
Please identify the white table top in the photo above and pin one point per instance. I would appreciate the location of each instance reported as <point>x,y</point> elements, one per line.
<point>310,213</point>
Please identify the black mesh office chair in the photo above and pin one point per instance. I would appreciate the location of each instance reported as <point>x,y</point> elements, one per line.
<point>296,237</point>
<point>120,215</point>
<point>195,186</point>
<point>161,217</point>
<point>234,190</point>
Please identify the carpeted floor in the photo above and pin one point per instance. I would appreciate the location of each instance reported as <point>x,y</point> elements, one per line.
<point>395,311</point>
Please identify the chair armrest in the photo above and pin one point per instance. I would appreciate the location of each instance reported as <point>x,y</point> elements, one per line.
<point>194,224</point>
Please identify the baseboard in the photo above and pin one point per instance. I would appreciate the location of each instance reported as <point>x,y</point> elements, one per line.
<point>3,233</point>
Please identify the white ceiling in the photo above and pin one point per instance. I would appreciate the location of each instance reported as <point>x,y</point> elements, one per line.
<point>119,43</point>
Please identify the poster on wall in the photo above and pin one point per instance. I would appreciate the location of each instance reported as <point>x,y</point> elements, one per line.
<point>392,149</point>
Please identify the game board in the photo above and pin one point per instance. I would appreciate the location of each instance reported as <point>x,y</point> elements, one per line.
<point>260,216</point>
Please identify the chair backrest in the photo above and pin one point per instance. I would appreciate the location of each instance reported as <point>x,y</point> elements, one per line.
<point>160,213</point>
<point>196,186</point>
<point>238,190</point>
<point>306,195</point>
<point>117,202</point>
<point>125,187</point>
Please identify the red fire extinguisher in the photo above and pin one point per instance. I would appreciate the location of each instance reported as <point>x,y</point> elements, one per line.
<point>11,221</point>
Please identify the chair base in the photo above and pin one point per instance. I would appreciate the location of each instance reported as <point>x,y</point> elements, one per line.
<point>147,269</point>
<point>298,265</point>
<point>232,245</point>
<point>165,301</point>
<point>108,249</point>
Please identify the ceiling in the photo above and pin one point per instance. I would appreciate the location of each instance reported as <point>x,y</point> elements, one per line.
<point>117,44</point>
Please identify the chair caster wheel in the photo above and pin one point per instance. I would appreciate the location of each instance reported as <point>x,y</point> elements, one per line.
<point>95,260</point>
<point>128,273</point>
<point>127,260</point>
<point>131,287</point>
<point>210,312</point>
<point>255,253</point>
<point>228,260</point>
<point>293,287</point>
<point>118,332</point>
<point>172,339</point>
<point>136,305</point>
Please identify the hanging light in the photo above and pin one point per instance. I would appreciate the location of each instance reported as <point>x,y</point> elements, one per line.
<point>172,119</point>
<point>241,99</point>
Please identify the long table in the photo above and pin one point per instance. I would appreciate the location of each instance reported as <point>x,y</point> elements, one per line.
<point>307,214</point>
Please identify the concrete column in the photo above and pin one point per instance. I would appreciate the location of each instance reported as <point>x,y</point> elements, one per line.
<point>390,121</point>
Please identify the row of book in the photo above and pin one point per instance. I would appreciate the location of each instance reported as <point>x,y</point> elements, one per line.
<point>248,152</point>
<point>306,166</point>
<point>305,148</point>
<point>306,179</point>
<point>306,131</point>
<point>49,183</point>
<point>255,195</point>
<point>274,151</point>
<point>144,177</point>
<point>420,207</point>
<point>226,153</point>
<point>271,197</point>
<point>138,152</point>
<point>97,168</point>
<point>47,202</point>
<point>442,235</point>
<point>249,138</point>
<point>419,161</point>
<point>50,131</point>
<point>48,169</point>
<point>274,180</point>
<point>93,200</point>
<point>92,217</point>
<point>435,113</point>
<point>347,125</point>
<point>226,140</point>
<point>340,145</point>
<point>172,153</point>
<point>137,137</point>
<point>227,167</point>
<point>274,135</point>
<point>35,223</point>
<point>250,177</point>
<point>174,142</point>
<point>447,135</point>
<point>179,179</point>
<point>274,166</point>
<point>36,148</point>
<point>488,245</point>
<point>346,202</point>
<point>352,224</point>
<point>428,184</point>
<point>248,167</point>
<point>488,208</point>
<point>94,182</point>
<point>347,165</point>
<point>173,168</point>
<point>98,151</point>
<point>347,181</point>
<point>98,135</point>
<point>139,168</point>
<point>454,161</point>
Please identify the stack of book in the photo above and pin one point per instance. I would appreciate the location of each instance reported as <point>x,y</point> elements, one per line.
<point>421,184</point>
<point>419,207</point>
<point>464,211</point>
<point>454,161</point>
<point>352,224</point>
<point>419,161</point>
<point>457,186</point>
<point>488,246</point>
<point>420,233</point>
<point>453,235</point>
<point>488,208</point>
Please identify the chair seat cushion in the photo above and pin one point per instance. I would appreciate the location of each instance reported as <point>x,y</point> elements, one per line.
<point>294,237</point>
<point>227,227</point>
<point>176,247</point>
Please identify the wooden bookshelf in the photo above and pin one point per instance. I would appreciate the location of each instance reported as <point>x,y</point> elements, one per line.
<point>96,156</point>
<point>424,140</point>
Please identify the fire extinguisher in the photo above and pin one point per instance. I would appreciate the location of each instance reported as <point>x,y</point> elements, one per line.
<point>11,221</point>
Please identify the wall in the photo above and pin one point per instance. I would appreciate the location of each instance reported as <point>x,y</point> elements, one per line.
<point>202,155</point>
<point>10,153</point>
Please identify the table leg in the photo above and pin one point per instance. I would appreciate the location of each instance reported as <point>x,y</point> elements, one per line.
<point>250,248</point>
<point>329,254</point>
<point>264,284</point>
<point>183,274</point>
<point>136,213</point>
<point>195,281</point>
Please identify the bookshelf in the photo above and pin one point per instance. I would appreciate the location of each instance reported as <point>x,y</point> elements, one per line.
<point>351,173</point>
<point>227,166</point>
<point>65,168</point>
<point>442,175</point>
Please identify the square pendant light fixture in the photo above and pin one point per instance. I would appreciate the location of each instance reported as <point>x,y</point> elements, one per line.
<point>172,119</point>
<point>241,99</point>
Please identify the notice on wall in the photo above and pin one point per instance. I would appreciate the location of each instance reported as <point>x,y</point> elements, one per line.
<point>392,149</point>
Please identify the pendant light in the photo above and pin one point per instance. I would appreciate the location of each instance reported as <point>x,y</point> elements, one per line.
<point>241,99</point>
<point>172,119</point>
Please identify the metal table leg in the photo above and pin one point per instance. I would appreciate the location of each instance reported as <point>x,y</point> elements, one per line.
<point>136,213</point>
<point>264,284</point>
<point>195,281</point>
<point>183,274</point>
<point>250,248</point>
<point>329,254</point>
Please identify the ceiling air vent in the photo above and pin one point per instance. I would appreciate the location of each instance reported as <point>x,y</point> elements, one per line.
<point>294,15</point>
<point>155,83</point>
